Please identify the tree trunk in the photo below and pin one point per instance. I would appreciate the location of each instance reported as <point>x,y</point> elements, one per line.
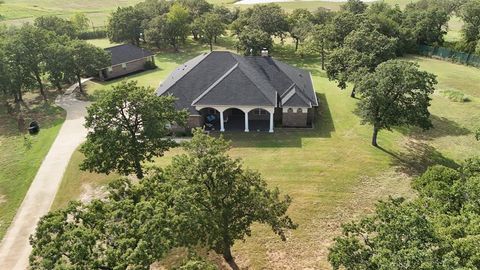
<point>374,137</point>
<point>296,44</point>
<point>211,45</point>
<point>19,95</point>
<point>215,39</point>
<point>323,57</point>
<point>15,97</point>
<point>227,255</point>
<point>354,90</point>
<point>80,83</point>
<point>138,169</point>
<point>40,84</point>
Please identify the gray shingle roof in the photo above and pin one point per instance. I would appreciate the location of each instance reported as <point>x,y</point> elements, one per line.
<point>126,53</point>
<point>294,98</point>
<point>224,78</point>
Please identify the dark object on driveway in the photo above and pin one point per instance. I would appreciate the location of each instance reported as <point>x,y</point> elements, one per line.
<point>33,128</point>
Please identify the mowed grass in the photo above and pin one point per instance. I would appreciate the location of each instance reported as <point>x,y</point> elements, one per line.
<point>21,155</point>
<point>331,172</point>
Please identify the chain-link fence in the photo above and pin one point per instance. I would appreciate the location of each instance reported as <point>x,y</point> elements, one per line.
<point>448,54</point>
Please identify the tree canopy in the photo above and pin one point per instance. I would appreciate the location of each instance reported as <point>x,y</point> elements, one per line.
<point>396,94</point>
<point>203,198</point>
<point>210,26</point>
<point>363,50</point>
<point>252,41</point>
<point>228,199</point>
<point>57,25</point>
<point>125,25</point>
<point>437,230</point>
<point>128,125</point>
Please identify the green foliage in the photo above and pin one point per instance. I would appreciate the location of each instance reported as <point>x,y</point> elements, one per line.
<point>57,25</point>
<point>130,229</point>
<point>470,14</point>
<point>80,21</point>
<point>203,198</point>
<point>227,198</point>
<point>252,41</point>
<point>363,50</point>
<point>301,24</point>
<point>12,79</point>
<point>268,18</point>
<point>427,22</point>
<point>397,94</point>
<point>455,96</point>
<point>125,25</point>
<point>210,26</point>
<point>477,134</point>
<point>28,46</point>
<point>85,60</point>
<point>196,263</point>
<point>171,28</point>
<point>57,62</point>
<point>437,230</point>
<point>354,6</point>
<point>128,126</point>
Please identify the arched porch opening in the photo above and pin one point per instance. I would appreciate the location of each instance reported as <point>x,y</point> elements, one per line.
<point>234,119</point>
<point>211,118</point>
<point>260,120</point>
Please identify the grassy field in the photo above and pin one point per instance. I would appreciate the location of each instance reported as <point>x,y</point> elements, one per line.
<point>332,172</point>
<point>22,154</point>
<point>16,12</point>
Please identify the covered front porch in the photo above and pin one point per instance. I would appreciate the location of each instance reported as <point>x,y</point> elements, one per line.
<point>238,118</point>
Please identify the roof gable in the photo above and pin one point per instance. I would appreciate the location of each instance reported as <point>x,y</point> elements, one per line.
<point>295,98</point>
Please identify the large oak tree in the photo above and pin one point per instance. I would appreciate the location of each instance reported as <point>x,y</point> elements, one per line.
<point>222,197</point>
<point>128,125</point>
<point>396,94</point>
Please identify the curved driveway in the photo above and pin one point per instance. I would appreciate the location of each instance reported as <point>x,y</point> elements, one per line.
<point>15,247</point>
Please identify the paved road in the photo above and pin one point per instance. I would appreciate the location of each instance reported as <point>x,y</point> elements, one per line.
<point>15,248</point>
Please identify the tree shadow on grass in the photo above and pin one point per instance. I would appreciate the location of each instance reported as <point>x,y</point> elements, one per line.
<point>417,157</point>
<point>442,127</point>
<point>288,137</point>
<point>33,108</point>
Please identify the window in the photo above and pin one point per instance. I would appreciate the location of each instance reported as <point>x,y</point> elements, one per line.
<point>259,112</point>
<point>124,65</point>
<point>299,110</point>
<point>290,110</point>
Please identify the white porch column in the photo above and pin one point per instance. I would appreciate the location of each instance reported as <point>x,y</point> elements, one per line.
<point>246,120</point>
<point>271,120</point>
<point>222,127</point>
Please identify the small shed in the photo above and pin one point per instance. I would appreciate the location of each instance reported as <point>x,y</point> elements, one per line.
<point>127,59</point>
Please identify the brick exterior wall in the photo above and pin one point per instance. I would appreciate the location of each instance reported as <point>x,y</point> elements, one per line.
<point>194,121</point>
<point>295,119</point>
<point>118,70</point>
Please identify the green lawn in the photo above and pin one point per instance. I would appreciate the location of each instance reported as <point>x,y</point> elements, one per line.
<point>22,154</point>
<point>332,172</point>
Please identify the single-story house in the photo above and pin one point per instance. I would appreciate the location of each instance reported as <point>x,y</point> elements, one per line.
<point>126,59</point>
<point>225,91</point>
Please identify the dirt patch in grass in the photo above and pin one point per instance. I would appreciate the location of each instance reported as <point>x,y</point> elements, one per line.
<point>90,193</point>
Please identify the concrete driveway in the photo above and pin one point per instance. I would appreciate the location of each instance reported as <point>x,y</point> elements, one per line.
<point>15,247</point>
